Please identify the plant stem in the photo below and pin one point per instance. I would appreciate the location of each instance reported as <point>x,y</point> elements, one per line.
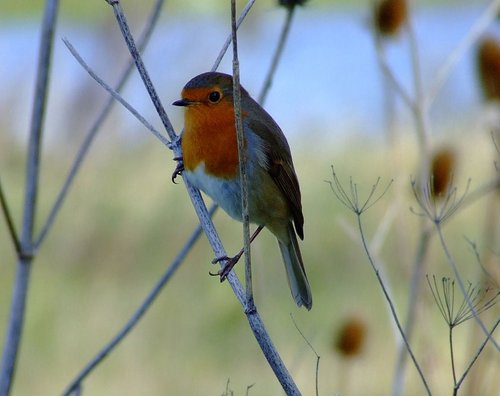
<point>413,298</point>
<point>391,305</point>
<point>242,160</point>
<point>21,282</point>
<point>452,357</point>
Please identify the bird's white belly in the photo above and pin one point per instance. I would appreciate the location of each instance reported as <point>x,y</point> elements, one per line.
<point>226,193</point>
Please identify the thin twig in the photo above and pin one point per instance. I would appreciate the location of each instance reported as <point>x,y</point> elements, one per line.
<point>89,138</point>
<point>391,305</point>
<point>223,51</point>
<point>452,356</point>
<point>354,235</point>
<point>242,160</point>
<point>21,282</point>
<point>420,107</point>
<point>388,73</point>
<point>312,349</point>
<point>116,95</point>
<point>474,359</point>
<point>136,317</point>
<point>413,298</point>
<point>277,54</point>
<point>14,236</point>
<point>122,23</point>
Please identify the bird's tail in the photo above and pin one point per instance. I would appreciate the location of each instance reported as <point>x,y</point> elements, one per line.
<point>297,279</point>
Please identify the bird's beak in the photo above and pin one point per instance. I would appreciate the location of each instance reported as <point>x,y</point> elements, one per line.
<point>182,102</point>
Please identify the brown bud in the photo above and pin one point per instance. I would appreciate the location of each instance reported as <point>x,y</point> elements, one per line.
<point>389,16</point>
<point>350,337</point>
<point>488,65</point>
<point>442,169</point>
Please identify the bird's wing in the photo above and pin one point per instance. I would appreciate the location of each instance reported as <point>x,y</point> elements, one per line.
<point>275,156</point>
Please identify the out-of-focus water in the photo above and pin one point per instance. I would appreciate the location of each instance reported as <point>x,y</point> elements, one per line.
<point>327,81</point>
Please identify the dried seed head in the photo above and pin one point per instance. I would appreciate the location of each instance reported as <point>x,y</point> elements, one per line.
<point>350,337</point>
<point>291,3</point>
<point>488,65</point>
<point>442,169</point>
<point>389,16</point>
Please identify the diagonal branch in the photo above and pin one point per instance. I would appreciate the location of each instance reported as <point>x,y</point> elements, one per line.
<point>115,95</point>
<point>230,36</point>
<point>277,55</point>
<point>10,222</point>
<point>122,23</point>
<point>476,356</point>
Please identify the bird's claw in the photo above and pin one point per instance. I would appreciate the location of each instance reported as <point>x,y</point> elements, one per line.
<point>178,169</point>
<point>230,262</point>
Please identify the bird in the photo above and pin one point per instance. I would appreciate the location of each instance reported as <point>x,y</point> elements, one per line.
<point>210,163</point>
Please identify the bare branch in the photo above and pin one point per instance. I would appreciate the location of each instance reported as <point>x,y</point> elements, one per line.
<point>10,222</point>
<point>230,36</point>
<point>122,23</point>
<point>277,54</point>
<point>474,359</point>
<point>242,160</point>
<point>312,349</point>
<point>116,95</point>
<point>18,305</point>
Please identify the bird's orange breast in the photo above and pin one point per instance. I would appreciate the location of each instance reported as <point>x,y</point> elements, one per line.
<point>210,137</point>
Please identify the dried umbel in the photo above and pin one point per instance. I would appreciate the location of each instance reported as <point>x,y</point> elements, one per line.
<point>488,67</point>
<point>350,337</point>
<point>442,169</point>
<point>389,16</point>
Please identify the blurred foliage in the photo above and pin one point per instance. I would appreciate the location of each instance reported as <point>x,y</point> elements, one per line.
<point>124,221</point>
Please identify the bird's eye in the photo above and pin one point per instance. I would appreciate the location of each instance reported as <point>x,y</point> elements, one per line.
<point>214,96</point>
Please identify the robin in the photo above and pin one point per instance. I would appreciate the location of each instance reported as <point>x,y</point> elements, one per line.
<point>210,163</point>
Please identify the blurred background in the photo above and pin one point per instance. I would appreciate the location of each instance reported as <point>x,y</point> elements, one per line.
<point>124,221</point>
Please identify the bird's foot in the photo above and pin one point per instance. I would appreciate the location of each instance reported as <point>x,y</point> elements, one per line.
<point>230,262</point>
<point>178,169</point>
